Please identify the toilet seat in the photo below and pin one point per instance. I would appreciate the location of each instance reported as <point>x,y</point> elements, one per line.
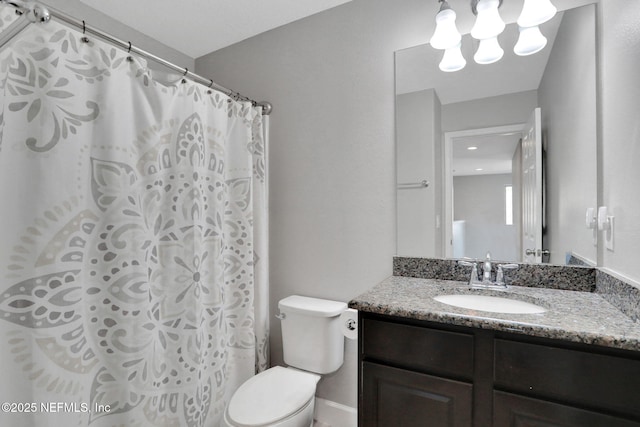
<point>271,396</point>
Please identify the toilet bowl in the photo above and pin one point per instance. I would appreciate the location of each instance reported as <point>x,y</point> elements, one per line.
<point>313,344</point>
<point>277,397</point>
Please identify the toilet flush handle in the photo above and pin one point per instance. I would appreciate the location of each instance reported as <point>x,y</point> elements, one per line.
<point>281,316</point>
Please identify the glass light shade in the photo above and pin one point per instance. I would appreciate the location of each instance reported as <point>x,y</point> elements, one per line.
<point>530,41</point>
<point>536,12</point>
<point>488,24</point>
<point>453,59</point>
<point>446,34</point>
<point>488,52</point>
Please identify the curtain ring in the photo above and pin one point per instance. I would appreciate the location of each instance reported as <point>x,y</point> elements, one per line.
<point>186,70</point>
<point>84,38</point>
<point>129,57</point>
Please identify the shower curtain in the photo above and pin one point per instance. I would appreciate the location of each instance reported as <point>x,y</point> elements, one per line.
<point>133,241</point>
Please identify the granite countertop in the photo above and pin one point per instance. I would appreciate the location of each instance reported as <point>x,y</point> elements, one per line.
<point>583,317</point>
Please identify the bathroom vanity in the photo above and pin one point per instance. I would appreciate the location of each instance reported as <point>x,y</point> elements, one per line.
<point>422,362</point>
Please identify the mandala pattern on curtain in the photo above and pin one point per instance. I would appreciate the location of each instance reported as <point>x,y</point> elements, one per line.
<point>134,238</point>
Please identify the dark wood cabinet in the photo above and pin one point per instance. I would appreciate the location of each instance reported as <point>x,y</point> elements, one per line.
<point>415,373</point>
<point>517,411</point>
<point>417,348</point>
<point>401,398</point>
<point>587,379</point>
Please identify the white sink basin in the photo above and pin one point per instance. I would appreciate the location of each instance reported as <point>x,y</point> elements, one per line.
<point>491,304</point>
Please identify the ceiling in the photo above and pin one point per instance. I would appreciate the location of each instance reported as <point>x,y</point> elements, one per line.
<point>198,27</point>
<point>493,154</point>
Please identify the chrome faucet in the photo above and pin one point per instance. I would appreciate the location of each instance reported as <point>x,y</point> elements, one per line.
<point>486,269</point>
<point>500,275</point>
<point>474,281</point>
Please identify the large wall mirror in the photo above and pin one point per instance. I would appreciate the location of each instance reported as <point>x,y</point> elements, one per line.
<point>469,178</point>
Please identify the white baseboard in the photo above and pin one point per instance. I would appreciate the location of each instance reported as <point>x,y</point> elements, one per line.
<point>332,414</point>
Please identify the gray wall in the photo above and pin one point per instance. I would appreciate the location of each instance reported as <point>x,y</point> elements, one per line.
<point>620,154</point>
<point>330,78</point>
<point>99,20</point>
<point>488,112</point>
<point>418,135</point>
<point>567,98</point>
<point>479,200</point>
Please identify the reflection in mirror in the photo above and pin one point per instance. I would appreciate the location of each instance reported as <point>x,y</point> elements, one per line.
<point>484,169</point>
<point>502,208</point>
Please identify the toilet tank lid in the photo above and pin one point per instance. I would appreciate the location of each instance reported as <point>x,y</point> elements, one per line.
<point>271,396</point>
<point>312,306</point>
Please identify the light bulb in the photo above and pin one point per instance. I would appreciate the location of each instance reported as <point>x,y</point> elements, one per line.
<point>536,12</point>
<point>488,52</point>
<point>452,60</point>
<point>446,34</point>
<point>530,41</point>
<point>488,24</point>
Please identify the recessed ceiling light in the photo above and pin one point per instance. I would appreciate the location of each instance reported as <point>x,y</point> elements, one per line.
<point>473,147</point>
<point>479,169</point>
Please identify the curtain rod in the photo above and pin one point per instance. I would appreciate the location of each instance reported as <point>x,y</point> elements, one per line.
<point>39,13</point>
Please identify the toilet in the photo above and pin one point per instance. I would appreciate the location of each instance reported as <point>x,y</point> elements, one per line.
<point>313,345</point>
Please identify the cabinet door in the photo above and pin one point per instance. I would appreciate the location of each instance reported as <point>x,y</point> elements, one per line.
<point>398,398</point>
<point>581,378</point>
<point>510,410</point>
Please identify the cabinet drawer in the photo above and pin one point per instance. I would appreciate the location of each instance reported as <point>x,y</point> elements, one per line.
<point>515,411</point>
<point>417,348</point>
<point>595,380</point>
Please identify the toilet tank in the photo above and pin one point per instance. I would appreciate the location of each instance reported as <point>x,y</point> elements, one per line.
<point>312,337</point>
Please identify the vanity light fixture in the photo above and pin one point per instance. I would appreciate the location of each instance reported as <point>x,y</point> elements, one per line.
<point>452,60</point>
<point>530,41</point>
<point>446,35</point>
<point>536,12</point>
<point>489,51</point>
<point>488,26</point>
